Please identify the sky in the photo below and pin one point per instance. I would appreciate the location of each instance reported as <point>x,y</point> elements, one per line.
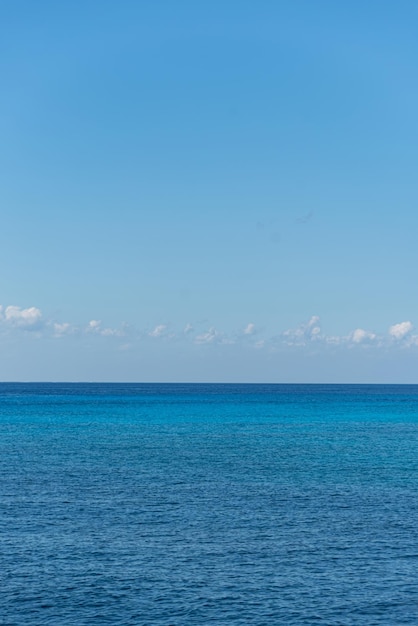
<point>209,191</point>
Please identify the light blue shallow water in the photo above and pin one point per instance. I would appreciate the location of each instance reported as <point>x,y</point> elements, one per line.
<point>208,504</point>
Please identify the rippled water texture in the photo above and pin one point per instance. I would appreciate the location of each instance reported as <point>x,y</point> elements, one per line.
<point>217,504</point>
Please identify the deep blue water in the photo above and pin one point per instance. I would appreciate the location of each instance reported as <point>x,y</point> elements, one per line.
<point>208,504</point>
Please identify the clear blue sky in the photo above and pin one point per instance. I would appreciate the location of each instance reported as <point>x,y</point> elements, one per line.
<point>206,180</point>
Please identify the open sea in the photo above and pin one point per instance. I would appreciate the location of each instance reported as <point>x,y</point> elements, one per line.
<point>178,505</point>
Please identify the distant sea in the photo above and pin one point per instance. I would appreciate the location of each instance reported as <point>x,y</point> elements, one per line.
<point>173,505</point>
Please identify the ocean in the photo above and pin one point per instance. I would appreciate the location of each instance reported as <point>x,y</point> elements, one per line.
<point>178,505</point>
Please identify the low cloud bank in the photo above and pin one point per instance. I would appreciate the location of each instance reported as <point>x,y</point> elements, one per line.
<point>400,335</point>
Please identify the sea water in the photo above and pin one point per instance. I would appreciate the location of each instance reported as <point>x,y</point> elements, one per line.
<point>208,504</point>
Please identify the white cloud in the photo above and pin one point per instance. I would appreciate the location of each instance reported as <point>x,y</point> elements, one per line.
<point>305,333</point>
<point>63,329</point>
<point>334,340</point>
<point>110,332</point>
<point>312,332</point>
<point>314,324</point>
<point>93,326</point>
<point>158,331</point>
<point>401,330</point>
<point>362,336</point>
<point>208,337</point>
<point>27,319</point>
<point>15,319</point>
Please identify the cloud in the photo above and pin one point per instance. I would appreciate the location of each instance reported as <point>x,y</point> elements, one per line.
<point>401,330</point>
<point>28,319</point>
<point>93,326</point>
<point>362,336</point>
<point>110,332</point>
<point>14,319</point>
<point>158,331</point>
<point>334,340</point>
<point>312,332</point>
<point>208,337</point>
<point>303,334</point>
<point>63,329</point>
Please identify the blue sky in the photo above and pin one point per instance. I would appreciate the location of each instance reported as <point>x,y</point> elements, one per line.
<point>219,191</point>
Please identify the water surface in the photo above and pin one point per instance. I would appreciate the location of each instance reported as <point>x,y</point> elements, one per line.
<point>208,504</point>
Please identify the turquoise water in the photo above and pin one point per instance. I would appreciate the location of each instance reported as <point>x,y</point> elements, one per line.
<point>208,504</point>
